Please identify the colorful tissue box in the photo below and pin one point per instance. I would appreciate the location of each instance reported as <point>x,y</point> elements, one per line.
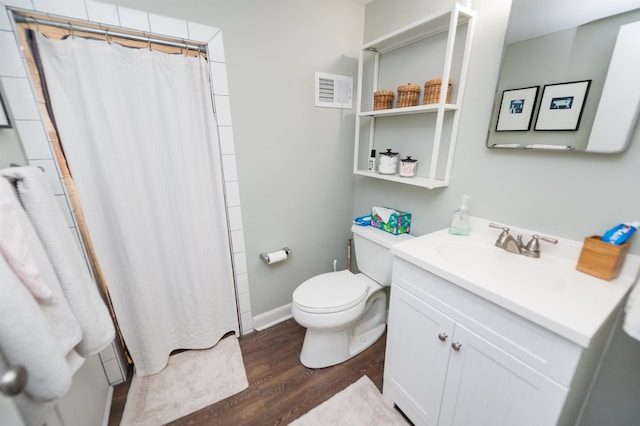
<point>399,223</point>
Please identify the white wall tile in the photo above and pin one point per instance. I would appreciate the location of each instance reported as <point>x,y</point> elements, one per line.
<point>67,8</point>
<point>237,240</point>
<point>22,4</point>
<point>51,172</point>
<point>64,208</point>
<point>132,18</point>
<point>244,300</point>
<point>216,48</point>
<point>102,12</point>
<point>242,281</point>
<point>219,78</point>
<point>229,166</point>
<point>168,26</point>
<point>4,19</point>
<point>20,99</point>
<point>11,64</point>
<point>232,190</point>
<point>235,218</point>
<point>107,353</point>
<point>240,262</point>
<point>226,140</point>
<point>202,33</point>
<point>223,110</point>
<point>112,369</point>
<point>34,139</point>
<point>247,321</point>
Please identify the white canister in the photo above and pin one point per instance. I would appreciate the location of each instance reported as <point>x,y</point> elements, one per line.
<point>408,167</point>
<point>388,162</point>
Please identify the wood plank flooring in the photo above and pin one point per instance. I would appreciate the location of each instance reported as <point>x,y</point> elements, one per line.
<point>280,388</point>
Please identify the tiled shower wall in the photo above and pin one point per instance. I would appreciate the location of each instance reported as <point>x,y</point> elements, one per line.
<point>22,107</point>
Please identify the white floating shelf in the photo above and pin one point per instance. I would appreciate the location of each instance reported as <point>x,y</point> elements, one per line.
<point>415,181</point>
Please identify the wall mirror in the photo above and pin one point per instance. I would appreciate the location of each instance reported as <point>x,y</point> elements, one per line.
<point>568,79</point>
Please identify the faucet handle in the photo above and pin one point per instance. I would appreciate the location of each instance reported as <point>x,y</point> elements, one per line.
<point>533,247</point>
<point>502,240</point>
<point>495,225</point>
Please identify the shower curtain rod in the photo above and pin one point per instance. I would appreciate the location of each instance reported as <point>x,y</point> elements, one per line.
<point>22,19</point>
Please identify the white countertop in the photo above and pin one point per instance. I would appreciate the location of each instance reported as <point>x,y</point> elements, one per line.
<point>576,309</point>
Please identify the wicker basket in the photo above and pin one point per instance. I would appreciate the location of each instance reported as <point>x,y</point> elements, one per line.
<point>432,91</point>
<point>408,95</point>
<point>382,99</point>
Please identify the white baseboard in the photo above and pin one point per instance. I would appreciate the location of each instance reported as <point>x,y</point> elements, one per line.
<point>272,317</point>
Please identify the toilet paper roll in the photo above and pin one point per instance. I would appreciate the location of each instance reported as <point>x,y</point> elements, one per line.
<point>276,256</point>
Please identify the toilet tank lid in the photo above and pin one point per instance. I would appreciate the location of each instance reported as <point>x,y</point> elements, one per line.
<point>383,238</point>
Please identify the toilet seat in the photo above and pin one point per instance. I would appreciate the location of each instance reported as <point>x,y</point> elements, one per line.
<point>330,292</point>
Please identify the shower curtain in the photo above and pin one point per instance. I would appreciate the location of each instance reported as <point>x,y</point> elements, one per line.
<point>139,135</point>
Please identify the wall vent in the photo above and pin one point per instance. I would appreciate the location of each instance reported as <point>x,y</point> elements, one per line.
<point>334,91</point>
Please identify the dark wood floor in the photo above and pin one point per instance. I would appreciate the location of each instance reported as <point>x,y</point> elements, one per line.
<point>280,388</point>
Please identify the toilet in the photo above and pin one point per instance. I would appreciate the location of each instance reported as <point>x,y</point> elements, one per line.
<point>345,313</point>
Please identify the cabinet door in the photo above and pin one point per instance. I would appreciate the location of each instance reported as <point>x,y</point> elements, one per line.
<point>487,386</point>
<point>416,358</point>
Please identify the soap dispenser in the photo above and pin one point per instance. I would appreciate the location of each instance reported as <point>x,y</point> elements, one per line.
<point>460,220</point>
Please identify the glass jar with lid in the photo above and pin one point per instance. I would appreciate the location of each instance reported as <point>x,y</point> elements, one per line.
<point>388,162</point>
<point>408,166</point>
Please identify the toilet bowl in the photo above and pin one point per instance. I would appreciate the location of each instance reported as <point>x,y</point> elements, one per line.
<point>345,313</point>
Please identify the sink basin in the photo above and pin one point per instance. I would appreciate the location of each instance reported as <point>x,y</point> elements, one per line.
<point>497,267</point>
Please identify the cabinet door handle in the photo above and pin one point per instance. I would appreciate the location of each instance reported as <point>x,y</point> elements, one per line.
<point>442,337</point>
<point>456,346</point>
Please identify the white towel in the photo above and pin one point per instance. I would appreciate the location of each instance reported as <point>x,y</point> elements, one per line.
<point>631,324</point>
<point>27,339</point>
<point>78,287</point>
<point>40,335</point>
<point>14,248</point>
<point>384,213</point>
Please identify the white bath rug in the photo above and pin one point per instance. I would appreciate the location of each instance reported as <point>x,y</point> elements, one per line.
<point>360,404</point>
<point>191,380</point>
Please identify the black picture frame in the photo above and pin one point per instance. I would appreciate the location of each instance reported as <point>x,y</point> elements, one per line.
<point>562,105</point>
<point>515,113</point>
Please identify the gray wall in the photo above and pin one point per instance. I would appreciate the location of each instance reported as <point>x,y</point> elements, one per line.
<point>572,195</point>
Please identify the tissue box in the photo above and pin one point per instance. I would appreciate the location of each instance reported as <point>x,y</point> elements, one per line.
<point>399,223</point>
<point>600,259</point>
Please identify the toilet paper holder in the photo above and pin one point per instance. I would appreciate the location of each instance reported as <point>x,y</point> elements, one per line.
<point>265,256</point>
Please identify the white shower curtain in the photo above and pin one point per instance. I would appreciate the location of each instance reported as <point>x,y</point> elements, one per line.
<point>139,134</point>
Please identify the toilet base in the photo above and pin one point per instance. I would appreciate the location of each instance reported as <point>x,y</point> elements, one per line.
<point>324,348</point>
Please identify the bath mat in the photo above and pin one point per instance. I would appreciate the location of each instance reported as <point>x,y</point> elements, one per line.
<point>191,380</point>
<point>361,403</point>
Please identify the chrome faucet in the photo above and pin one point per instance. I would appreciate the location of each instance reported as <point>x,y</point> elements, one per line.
<point>506,242</point>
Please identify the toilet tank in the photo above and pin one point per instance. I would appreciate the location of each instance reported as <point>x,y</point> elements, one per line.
<point>373,251</point>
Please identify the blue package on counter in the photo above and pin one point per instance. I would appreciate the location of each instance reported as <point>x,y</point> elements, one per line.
<point>619,234</point>
<point>363,220</point>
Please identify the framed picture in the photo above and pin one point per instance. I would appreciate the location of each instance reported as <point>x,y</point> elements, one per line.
<point>516,109</point>
<point>4,118</point>
<point>562,105</point>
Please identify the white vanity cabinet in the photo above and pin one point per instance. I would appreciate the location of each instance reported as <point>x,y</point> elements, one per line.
<point>454,358</point>
<point>437,46</point>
